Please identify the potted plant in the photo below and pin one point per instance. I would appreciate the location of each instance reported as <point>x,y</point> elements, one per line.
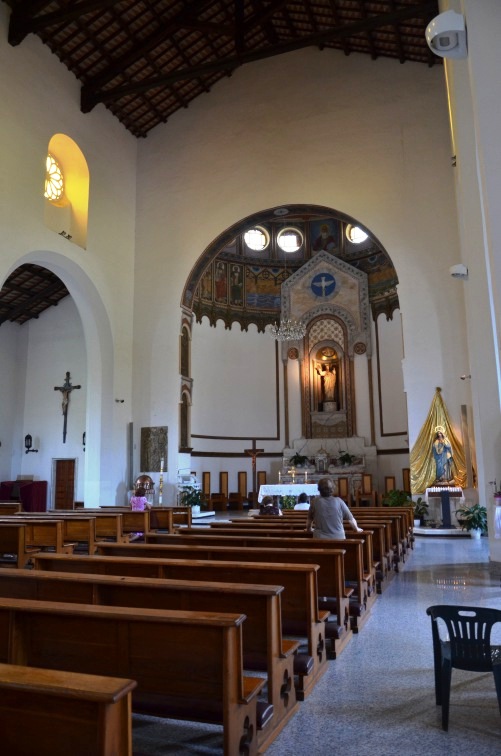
<point>288,501</point>
<point>298,460</point>
<point>194,498</point>
<point>397,498</point>
<point>473,519</point>
<point>346,458</point>
<point>420,510</point>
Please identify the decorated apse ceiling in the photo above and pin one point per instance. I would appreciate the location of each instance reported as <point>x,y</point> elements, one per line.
<point>235,283</point>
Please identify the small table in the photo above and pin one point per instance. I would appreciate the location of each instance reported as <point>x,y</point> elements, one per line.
<point>287,489</point>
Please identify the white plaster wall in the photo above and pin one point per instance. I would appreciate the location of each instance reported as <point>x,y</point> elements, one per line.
<point>389,396</point>
<point>40,98</point>
<point>234,391</point>
<point>55,345</point>
<point>368,140</point>
<point>13,350</point>
<point>474,87</point>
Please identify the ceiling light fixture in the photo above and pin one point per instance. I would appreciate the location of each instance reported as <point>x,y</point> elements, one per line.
<point>288,330</point>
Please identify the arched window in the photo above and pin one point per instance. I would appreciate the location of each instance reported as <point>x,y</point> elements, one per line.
<point>66,190</point>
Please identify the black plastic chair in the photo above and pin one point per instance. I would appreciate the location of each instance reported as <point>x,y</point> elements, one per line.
<point>467,646</point>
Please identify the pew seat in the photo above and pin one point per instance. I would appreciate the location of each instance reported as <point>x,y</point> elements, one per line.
<point>264,648</point>
<point>49,712</point>
<point>188,665</point>
<point>13,547</point>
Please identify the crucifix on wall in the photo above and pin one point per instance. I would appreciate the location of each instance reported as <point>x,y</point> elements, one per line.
<point>65,390</point>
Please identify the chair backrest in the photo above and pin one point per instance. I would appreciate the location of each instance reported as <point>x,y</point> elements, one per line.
<point>366,483</point>
<point>389,483</point>
<point>342,487</point>
<point>468,634</point>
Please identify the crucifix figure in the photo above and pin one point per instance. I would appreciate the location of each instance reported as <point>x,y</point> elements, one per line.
<point>65,390</point>
<point>253,454</point>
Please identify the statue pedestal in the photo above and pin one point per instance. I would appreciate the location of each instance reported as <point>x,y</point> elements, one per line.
<point>329,407</point>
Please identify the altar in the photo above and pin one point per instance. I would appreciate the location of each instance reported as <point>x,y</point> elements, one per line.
<point>287,489</point>
<point>443,502</point>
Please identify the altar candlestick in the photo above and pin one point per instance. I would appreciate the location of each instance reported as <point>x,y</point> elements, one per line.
<point>306,476</point>
<point>279,476</point>
<point>161,482</point>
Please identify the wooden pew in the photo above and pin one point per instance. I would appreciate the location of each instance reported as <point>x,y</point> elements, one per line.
<point>331,578</point>
<point>77,529</point>
<point>360,580</point>
<point>110,523</point>
<point>49,712</point>
<point>300,613</point>
<point>400,518</point>
<point>13,547</point>
<point>10,507</point>
<point>369,562</point>
<point>46,533</point>
<point>188,665</point>
<point>264,648</point>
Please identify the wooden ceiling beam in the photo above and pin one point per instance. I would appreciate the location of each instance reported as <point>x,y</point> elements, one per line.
<point>25,19</point>
<point>92,96</point>
<point>137,51</point>
<point>25,308</point>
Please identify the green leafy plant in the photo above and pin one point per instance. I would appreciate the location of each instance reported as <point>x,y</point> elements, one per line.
<point>345,458</point>
<point>397,498</point>
<point>420,508</point>
<point>298,460</point>
<point>192,497</point>
<point>472,517</point>
<point>288,502</point>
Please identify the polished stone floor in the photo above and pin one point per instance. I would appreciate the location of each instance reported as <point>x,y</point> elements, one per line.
<point>377,698</point>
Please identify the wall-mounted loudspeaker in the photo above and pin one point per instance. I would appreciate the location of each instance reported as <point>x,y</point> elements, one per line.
<point>459,271</point>
<point>446,35</point>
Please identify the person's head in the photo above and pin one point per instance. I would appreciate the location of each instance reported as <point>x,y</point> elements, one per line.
<point>140,491</point>
<point>267,501</point>
<point>302,498</point>
<point>326,487</point>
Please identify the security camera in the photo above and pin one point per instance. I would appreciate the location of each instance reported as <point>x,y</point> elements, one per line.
<point>464,377</point>
<point>459,271</point>
<point>446,35</point>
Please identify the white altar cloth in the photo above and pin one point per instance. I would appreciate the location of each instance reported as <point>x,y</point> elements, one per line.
<point>287,489</point>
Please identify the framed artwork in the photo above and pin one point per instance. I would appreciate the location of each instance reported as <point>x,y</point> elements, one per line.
<point>153,448</point>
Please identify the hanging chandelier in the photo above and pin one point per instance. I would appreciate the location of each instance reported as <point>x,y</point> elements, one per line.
<point>288,330</point>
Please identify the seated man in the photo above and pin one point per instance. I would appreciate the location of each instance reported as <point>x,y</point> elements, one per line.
<point>302,502</point>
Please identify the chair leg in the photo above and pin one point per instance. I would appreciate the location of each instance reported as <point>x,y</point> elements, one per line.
<point>496,670</point>
<point>446,692</point>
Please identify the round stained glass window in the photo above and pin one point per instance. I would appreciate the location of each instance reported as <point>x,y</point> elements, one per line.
<point>257,238</point>
<point>54,182</point>
<point>290,239</point>
<point>355,235</point>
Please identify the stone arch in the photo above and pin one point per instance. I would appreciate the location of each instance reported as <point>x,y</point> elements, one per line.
<point>99,478</point>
